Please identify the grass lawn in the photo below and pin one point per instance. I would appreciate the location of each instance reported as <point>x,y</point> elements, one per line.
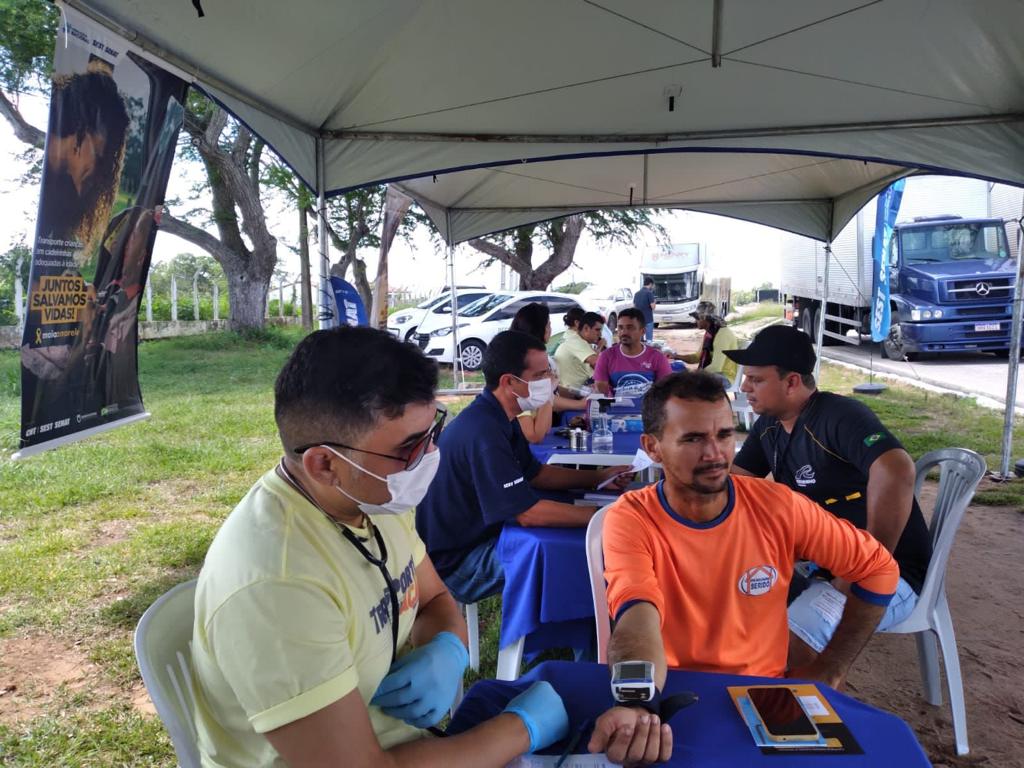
<point>764,309</point>
<point>92,533</point>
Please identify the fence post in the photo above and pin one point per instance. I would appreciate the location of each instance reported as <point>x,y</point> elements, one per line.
<point>195,296</point>
<point>216,302</point>
<point>174,298</point>
<point>19,307</point>
<point>149,302</point>
<point>280,299</point>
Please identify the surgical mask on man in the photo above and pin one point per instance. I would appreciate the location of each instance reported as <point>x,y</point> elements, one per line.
<point>406,487</point>
<point>541,392</point>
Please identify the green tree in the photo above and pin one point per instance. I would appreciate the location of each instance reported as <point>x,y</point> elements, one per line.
<point>559,238</point>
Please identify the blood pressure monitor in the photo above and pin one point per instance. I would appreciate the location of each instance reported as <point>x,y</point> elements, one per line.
<point>633,682</point>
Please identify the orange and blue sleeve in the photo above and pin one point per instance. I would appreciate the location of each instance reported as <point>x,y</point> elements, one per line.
<point>849,553</point>
<point>628,563</point>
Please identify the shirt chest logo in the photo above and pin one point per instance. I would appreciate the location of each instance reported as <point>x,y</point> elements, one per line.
<point>804,476</point>
<point>758,580</point>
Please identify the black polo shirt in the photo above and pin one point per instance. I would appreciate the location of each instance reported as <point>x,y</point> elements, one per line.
<point>827,457</point>
<point>483,481</point>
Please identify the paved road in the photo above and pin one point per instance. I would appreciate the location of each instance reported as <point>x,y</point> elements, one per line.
<point>973,373</point>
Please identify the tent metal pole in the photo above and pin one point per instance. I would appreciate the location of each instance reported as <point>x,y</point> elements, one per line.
<point>458,373</point>
<point>328,315</point>
<point>820,340</point>
<point>1014,366</point>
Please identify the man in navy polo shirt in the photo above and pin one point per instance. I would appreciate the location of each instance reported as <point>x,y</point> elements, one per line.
<point>834,450</point>
<point>488,476</point>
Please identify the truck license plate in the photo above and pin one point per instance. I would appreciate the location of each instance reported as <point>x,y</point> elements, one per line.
<point>986,327</point>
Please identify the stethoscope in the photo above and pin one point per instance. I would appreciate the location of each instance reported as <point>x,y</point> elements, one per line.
<point>381,562</point>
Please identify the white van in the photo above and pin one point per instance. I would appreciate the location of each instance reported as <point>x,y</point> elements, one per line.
<point>484,319</point>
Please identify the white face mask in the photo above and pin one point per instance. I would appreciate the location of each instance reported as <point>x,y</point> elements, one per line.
<point>407,487</point>
<point>541,392</point>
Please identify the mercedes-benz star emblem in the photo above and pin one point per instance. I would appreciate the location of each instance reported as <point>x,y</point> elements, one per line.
<point>983,289</point>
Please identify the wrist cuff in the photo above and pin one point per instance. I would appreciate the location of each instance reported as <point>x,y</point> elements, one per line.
<point>454,644</point>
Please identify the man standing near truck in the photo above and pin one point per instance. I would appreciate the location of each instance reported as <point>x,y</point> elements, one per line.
<point>644,301</point>
<point>834,450</point>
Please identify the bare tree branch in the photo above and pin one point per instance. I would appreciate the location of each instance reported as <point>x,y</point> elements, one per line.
<point>197,237</point>
<point>22,130</point>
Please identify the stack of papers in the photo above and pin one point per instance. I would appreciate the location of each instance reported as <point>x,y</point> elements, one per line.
<point>571,761</point>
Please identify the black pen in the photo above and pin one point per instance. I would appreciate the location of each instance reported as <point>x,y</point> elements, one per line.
<point>574,742</point>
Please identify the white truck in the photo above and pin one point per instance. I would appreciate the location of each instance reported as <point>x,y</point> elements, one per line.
<point>678,274</point>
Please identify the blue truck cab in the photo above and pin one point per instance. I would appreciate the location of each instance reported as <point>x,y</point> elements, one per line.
<point>951,285</point>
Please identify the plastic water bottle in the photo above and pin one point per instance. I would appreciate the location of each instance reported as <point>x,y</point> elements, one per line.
<point>593,412</point>
<point>602,441</point>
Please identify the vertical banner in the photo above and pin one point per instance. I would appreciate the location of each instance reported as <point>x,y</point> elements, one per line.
<point>396,205</point>
<point>351,310</point>
<point>114,122</point>
<point>885,220</point>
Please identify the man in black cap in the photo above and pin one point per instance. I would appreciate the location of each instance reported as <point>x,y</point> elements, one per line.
<point>834,450</point>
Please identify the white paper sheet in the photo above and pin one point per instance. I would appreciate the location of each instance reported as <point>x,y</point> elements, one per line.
<point>640,462</point>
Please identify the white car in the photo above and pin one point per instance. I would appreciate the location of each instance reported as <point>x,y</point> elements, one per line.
<point>403,323</point>
<point>484,319</point>
<point>608,302</point>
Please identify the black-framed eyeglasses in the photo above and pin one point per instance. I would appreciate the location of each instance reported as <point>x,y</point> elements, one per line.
<point>416,452</point>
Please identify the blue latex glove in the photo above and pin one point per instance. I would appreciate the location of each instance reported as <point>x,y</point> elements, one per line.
<point>543,714</point>
<point>420,687</point>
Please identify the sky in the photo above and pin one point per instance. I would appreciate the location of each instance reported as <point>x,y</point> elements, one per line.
<point>748,253</point>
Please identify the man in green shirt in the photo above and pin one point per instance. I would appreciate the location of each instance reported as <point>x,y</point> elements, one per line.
<point>577,355</point>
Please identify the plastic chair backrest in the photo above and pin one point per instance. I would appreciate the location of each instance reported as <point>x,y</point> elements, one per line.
<point>163,649</point>
<point>960,471</point>
<point>598,589</point>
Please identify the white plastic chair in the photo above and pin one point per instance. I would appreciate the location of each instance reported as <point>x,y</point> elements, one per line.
<point>960,472</point>
<point>598,588</point>
<point>740,405</point>
<point>163,650</point>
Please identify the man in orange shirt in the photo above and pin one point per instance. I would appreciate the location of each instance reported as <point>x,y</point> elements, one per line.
<point>698,566</point>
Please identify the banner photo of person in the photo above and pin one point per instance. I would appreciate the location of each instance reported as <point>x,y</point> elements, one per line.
<point>114,123</point>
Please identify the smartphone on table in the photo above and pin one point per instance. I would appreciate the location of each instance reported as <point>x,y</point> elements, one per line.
<point>781,714</point>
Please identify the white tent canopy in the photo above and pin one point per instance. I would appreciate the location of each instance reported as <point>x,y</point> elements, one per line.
<point>766,98</point>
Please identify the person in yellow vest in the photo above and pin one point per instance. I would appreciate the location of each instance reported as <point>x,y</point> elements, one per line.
<point>718,338</point>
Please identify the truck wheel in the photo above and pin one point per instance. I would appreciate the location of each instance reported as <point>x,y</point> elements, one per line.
<point>473,355</point>
<point>892,347</point>
<point>807,321</point>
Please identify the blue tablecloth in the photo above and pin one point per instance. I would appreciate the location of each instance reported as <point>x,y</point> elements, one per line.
<point>709,733</point>
<point>547,590</point>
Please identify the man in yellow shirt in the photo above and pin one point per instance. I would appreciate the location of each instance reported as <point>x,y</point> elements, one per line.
<point>323,635</point>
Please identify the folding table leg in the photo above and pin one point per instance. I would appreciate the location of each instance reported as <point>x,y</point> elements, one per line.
<point>510,659</point>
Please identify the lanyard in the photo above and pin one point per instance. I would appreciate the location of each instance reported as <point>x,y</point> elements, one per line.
<point>381,562</point>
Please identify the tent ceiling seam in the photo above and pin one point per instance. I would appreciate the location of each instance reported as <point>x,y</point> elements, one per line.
<point>766,174</point>
<point>804,26</point>
<point>603,206</point>
<point>522,95</point>
<point>833,78</point>
<point>649,28</point>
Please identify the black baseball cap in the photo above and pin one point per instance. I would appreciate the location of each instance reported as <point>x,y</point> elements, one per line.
<point>781,345</point>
